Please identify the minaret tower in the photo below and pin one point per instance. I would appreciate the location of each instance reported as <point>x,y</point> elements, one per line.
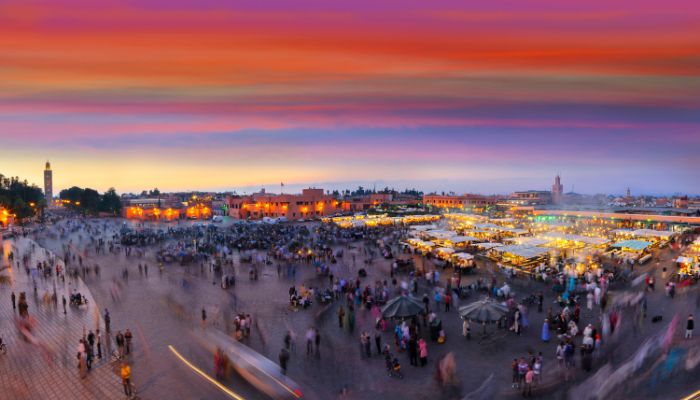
<point>557,190</point>
<point>48,184</point>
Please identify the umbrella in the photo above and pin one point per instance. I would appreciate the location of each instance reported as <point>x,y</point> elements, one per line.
<point>483,311</point>
<point>402,307</point>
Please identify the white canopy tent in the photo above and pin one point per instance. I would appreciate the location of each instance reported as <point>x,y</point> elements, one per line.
<point>462,239</point>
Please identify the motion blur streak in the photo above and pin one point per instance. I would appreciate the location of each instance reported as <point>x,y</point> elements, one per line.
<point>204,375</point>
<point>693,396</point>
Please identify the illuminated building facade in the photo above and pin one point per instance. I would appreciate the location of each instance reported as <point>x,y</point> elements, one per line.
<point>6,218</point>
<point>531,198</point>
<point>364,203</point>
<point>311,203</point>
<point>461,201</point>
<point>167,208</point>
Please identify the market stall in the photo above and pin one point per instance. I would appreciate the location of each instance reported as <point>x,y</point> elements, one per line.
<point>631,249</point>
<point>487,245</point>
<point>688,267</point>
<point>457,241</point>
<point>520,256</point>
<point>463,260</point>
<point>444,253</point>
<point>421,245</point>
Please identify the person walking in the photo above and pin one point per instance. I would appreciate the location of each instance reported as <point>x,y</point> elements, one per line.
<point>126,379</point>
<point>284,358</point>
<point>689,326</point>
<point>89,356</point>
<point>99,344</point>
<point>64,304</point>
<point>515,373</point>
<point>529,378</point>
<point>537,369</point>
<point>367,344</point>
<point>91,340</point>
<point>107,318</point>
<point>288,340</point>
<point>127,337</point>
<point>81,358</point>
<point>545,331</point>
<point>14,300</point>
<point>204,317</point>
<point>413,351</point>
<point>423,350</point>
<point>309,341</point>
<point>341,315</point>
<point>317,339</point>
<point>466,329</point>
<point>378,340</point>
<point>120,344</point>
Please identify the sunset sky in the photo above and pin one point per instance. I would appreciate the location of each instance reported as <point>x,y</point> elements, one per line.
<point>231,95</point>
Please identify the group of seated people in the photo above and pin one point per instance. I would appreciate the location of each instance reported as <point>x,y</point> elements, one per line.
<point>77,299</point>
<point>302,298</point>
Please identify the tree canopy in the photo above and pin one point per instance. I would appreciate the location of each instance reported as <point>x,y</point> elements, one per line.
<point>21,198</point>
<point>89,201</point>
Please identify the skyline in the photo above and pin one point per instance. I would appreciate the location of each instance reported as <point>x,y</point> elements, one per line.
<point>377,185</point>
<point>193,95</point>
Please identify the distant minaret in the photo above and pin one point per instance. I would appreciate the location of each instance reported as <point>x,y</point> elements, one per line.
<point>557,190</point>
<point>48,184</point>
<point>629,194</point>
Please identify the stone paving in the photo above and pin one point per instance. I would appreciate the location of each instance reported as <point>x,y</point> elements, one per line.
<point>144,308</point>
<point>26,371</point>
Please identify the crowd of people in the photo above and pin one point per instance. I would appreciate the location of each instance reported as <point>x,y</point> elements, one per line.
<point>581,318</point>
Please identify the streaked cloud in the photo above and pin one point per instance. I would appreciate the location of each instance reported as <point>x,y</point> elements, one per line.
<point>244,92</point>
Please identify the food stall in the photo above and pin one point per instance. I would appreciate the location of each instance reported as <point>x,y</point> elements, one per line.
<point>463,260</point>
<point>421,245</point>
<point>689,262</point>
<point>688,267</point>
<point>444,253</point>
<point>457,241</point>
<point>486,246</point>
<point>520,256</point>
<point>656,237</point>
<point>632,249</point>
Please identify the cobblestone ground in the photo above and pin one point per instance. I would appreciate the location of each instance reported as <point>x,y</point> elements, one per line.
<point>30,372</point>
<point>145,306</point>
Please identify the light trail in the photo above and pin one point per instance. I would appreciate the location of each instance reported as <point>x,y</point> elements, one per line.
<point>205,375</point>
<point>693,396</point>
<point>294,393</point>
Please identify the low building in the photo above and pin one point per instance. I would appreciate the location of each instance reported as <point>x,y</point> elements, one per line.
<point>311,203</point>
<point>167,208</point>
<point>686,202</point>
<point>364,203</point>
<point>460,201</point>
<point>680,202</point>
<point>531,198</point>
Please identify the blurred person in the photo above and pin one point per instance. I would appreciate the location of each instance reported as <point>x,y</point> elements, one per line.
<point>284,358</point>
<point>127,337</point>
<point>125,373</point>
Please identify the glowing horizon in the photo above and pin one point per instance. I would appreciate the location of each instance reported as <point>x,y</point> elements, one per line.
<point>195,95</point>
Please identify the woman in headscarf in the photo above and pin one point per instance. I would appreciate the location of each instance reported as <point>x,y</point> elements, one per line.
<point>545,331</point>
